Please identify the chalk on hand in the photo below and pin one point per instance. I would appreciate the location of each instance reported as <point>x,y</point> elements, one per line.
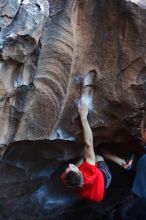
<point>87,99</point>
<point>88,80</point>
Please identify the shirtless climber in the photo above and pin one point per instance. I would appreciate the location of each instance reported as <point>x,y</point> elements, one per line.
<point>91,177</point>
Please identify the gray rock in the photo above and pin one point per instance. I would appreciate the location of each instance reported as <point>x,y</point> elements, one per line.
<point>20,38</point>
<point>8,10</point>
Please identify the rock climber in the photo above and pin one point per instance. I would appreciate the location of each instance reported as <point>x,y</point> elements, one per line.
<point>91,177</point>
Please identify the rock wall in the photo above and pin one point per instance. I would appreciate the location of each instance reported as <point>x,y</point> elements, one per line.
<point>48,48</point>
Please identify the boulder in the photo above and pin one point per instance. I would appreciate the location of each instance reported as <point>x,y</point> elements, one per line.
<point>47,52</point>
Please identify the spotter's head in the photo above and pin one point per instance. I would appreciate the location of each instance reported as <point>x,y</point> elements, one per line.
<point>143,129</point>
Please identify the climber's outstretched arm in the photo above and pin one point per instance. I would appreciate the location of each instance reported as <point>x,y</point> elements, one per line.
<point>109,156</point>
<point>112,157</point>
<point>89,153</point>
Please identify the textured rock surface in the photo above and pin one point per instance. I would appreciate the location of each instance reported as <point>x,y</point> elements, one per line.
<point>47,49</point>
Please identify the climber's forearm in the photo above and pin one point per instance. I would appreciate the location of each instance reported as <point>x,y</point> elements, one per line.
<point>114,158</point>
<point>87,132</point>
<point>89,153</point>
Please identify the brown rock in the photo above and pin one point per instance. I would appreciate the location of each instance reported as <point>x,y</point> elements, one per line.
<point>39,100</point>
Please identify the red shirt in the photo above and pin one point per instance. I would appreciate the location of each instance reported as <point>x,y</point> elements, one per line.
<point>93,188</point>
